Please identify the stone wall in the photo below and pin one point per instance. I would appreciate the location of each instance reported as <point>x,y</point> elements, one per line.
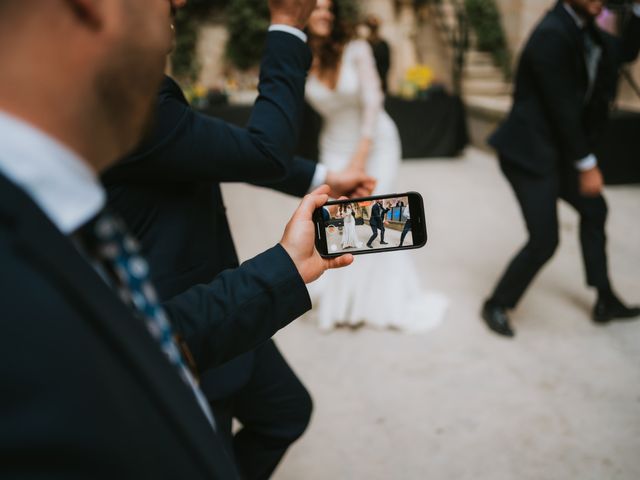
<point>519,17</point>
<point>210,51</point>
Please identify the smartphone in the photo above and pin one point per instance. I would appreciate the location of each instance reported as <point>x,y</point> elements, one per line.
<point>384,223</point>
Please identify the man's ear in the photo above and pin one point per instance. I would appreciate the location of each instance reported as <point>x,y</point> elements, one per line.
<point>89,11</point>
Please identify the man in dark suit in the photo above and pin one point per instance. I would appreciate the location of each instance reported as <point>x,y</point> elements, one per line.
<point>95,384</point>
<point>406,217</point>
<point>565,84</point>
<point>168,192</point>
<point>376,222</point>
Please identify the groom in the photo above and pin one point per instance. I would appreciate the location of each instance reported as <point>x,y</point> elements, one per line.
<point>377,223</point>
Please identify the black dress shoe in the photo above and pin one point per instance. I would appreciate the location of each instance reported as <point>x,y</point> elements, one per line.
<point>384,243</point>
<point>497,319</point>
<point>369,245</point>
<point>612,309</point>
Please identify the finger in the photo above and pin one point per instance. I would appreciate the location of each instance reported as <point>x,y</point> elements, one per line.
<point>361,192</point>
<point>339,262</point>
<point>309,205</point>
<point>343,198</point>
<point>321,190</point>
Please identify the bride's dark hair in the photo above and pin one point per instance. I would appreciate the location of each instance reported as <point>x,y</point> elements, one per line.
<point>330,50</point>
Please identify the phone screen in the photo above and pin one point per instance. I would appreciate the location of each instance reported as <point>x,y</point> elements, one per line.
<point>368,224</point>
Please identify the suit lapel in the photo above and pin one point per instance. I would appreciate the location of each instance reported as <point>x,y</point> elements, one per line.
<point>576,37</point>
<point>59,261</point>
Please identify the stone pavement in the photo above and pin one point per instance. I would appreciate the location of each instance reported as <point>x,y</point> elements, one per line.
<point>364,233</point>
<point>560,401</point>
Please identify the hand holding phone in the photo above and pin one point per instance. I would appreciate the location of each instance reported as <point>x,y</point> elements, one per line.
<point>298,239</point>
<point>380,224</point>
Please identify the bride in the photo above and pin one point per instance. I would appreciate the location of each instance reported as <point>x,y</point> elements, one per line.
<point>349,236</point>
<point>381,290</point>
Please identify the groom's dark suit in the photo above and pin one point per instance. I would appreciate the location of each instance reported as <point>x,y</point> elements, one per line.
<point>87,392</point>
<point>558,113</point>
<point>377,222</point>
<point>168,192</point>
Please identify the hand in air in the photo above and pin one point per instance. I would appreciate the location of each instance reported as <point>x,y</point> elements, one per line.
<point>294,13</point>
<point>299,239</point>
<point>350,182</point>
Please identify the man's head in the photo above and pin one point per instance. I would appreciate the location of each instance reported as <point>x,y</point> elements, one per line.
<point>85,71</point>
<point>587,9</point>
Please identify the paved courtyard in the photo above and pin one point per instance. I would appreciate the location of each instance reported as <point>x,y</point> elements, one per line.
<point>364,233</point>
<point>560,401</point>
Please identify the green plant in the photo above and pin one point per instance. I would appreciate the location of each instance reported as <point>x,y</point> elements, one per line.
<point>484,18</point>
<point>248,21</point>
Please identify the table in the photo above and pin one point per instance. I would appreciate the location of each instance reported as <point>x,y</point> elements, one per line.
<point>619,150</point>
<point>433,126</point>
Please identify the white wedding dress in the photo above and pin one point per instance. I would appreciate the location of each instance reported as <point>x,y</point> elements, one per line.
<point>349,235</point>
<point>381,290</point>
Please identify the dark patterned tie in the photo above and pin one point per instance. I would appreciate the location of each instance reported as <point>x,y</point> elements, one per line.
<point>107,238</point>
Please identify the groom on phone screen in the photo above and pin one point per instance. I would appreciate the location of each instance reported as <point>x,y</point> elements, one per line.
<point>377,223</point>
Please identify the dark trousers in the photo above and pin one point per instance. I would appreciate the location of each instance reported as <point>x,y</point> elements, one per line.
<point>374,229</point>
<point>274,409</point>
<point>538,198</point>
<point>405,230</point>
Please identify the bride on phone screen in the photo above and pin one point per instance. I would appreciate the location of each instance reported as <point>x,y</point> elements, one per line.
<point>349,235</point>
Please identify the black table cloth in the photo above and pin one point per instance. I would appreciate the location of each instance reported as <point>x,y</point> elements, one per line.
<point>434,126</point>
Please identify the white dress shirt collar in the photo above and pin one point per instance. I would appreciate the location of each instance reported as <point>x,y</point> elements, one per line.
<point>56,179</point>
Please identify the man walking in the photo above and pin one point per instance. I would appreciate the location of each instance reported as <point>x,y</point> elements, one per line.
<point>376,222</point>
<point>565,83</point>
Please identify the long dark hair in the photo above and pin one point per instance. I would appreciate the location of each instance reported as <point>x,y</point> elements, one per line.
<point>330,51</point>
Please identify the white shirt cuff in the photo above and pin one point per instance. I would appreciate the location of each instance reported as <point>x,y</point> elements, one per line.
<point>587,163</point>
<point>636,9</point>
<point>289,29</point>
<point>319,177</point>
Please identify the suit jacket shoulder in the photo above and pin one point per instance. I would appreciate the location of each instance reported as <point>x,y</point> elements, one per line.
<point>86,380</point>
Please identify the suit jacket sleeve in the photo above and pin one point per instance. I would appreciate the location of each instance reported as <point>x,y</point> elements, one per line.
<point>240,309</point>
<point>298,180</point>
<point>551,57</point>
<point>189,146</point>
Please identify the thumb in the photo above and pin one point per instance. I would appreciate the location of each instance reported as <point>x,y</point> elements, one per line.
<point>309,205</point>
<point>339,262</point>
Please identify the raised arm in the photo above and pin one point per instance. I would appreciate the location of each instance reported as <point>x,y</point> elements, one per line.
<point>371,88</point>
<point>186,145</point>
<point>372,100</point>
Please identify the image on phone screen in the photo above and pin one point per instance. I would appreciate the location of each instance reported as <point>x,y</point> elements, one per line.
<point>367,225</point>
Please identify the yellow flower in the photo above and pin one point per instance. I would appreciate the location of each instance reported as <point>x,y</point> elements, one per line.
<point>199,91</point>
<point>420,75</point>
